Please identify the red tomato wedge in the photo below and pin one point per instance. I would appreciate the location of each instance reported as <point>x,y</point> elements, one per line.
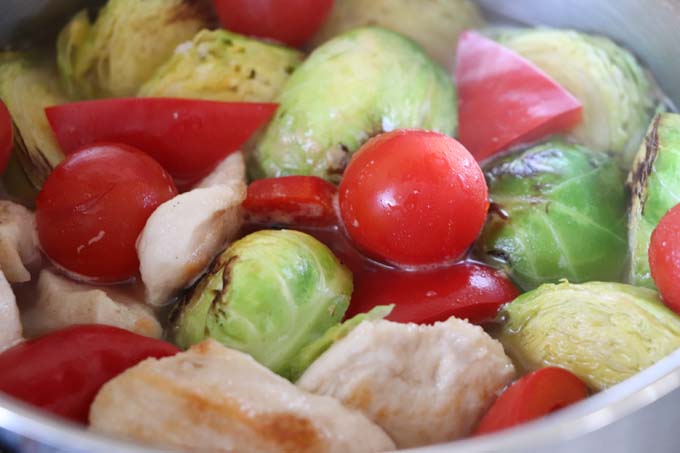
<point>62,372</point>
<point>6,136</point>
<point>505,100</point>
<point>290,21</point>
<point>466,290</point>
<point>187,137</point>
<point>537,394</point>
<point>291,200</point>
<point>664,258</point>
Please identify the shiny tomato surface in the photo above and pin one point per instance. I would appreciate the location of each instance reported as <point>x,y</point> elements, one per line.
<point>413,197</point>
<point>664,258</point>
<point>6,136</point>
<point>291,22</point>
<point>61,372</point>
<point>94,205</point>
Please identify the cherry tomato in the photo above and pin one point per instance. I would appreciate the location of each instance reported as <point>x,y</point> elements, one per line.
<point>6,136</point>
<point>466,290</point>
<point>413,197</point>
<point>188,137</point>
<point>291,200</point>
<point>94,205</point>
<point>291,21</point>
<point>505,100</point>
<point>533,396</point>
<point>62,372</point>
<point>664,258</point>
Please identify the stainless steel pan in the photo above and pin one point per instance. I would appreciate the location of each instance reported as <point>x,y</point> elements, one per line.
<point>640,415</point>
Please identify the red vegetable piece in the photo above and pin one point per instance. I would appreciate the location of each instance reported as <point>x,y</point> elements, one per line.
<point>6,136</point>
<point>664,258</point>
<point>187,137</point>
<point>466,290</point>
<point>62,372</point>
<point>413,197</point>
<point>291,21</point>
<point>505,100</point>
<point>533,396</point>
<point>94,205</point>
<point>291,200</point>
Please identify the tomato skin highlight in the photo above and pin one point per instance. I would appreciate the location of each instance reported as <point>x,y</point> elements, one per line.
<point>292,22</point>
<point>664,258</point>
<point>6,136</point>
<point>413,197</point>
<point>465,290</point>
<point>61,372</point>
<point>533,396</point>
<point>188,137</point>
<point>505,100</point>
<point>291,200</point>
<point>94,205</point>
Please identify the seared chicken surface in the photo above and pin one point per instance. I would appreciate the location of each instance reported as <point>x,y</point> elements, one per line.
<point>18,242</point>
<point>422,384</point>
<point>10,326</point>
<point>212,398</point>
<point>61,302</point>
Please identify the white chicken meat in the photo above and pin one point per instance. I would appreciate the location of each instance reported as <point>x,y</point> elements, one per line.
<point>212,398</point>
<point>10,325</point>
<point>422,384</point>
<point>61,302</point>
<point>18,242</point>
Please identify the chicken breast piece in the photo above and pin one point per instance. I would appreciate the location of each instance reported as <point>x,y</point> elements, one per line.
<point>212,398</point>
<point>10,325</point>
<point>184,234</point>
<point>231,169</point>
<point>61,302</point>
<point>422,384</point>
<point>18,242</point>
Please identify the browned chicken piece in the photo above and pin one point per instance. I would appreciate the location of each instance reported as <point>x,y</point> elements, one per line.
<point>61,302</point>
<point>184,234</point>
<point>18,242</point>
<point>10,326</point>
<point>212,398</point>
<point>423,384</point>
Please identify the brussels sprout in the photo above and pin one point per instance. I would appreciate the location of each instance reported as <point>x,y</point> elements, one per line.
<point>558,211</point>
<point>297,366</point>
<point>655,188</point>
<point>269,294</point>
<point>125,45</point>
<point>602,332</point>
<point>223,66</point>
<point>438,24</point>
<point>617,96</point>
<point>27,86</point>
<point>355,86</point>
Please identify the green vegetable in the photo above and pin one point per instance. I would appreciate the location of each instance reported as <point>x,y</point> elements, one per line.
<point>617,96</point>
<point>602,332</point>
<point>312,351</point>
<point>438,24</point>
<point>655,188</point>
<point>269,294</point>
<point>223,66</point>
<point>353,87</point>
<point>130,39</point>
<point>27,86</point>
<point>558,211</point>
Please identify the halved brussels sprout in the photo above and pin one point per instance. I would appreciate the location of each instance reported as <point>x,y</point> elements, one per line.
<point>269,294</point>
<point>353,87</point>
<point>129,40</point>
<point>655,188</point>
<point>27,86</point>
<point>602,332</point>
<point>558,211</point>
<point>438,24</point>
<point>617,96</point>
<point>297,366</point>
<point>223,66</point>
